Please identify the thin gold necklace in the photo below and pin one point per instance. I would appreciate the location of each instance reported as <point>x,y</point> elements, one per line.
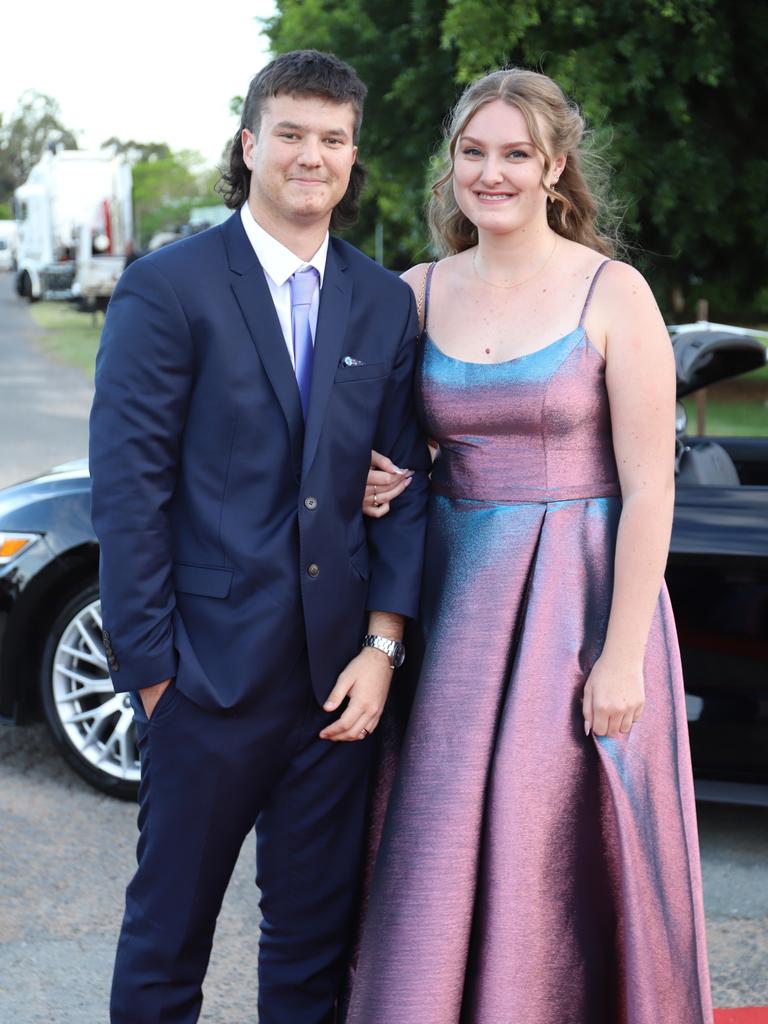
<point>517,284</point>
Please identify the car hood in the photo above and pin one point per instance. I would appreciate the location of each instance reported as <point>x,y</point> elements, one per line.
<point>708,355</point>
<point>69,478</point>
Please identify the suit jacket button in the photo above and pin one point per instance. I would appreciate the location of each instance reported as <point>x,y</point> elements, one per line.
<point>310,503</point>
<point>313,570</point>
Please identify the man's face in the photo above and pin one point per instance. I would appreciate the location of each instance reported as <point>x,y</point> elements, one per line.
<point>301,158</point>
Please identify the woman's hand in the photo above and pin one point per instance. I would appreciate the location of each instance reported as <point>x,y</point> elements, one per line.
<point>614,697</point>
<point>385,482</point>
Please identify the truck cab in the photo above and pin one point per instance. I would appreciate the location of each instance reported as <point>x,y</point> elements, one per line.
<point>74,222</point>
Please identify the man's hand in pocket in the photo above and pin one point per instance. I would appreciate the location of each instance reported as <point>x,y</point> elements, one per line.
<point>150,695</point>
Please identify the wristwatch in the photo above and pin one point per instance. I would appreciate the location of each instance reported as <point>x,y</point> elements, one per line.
<point>394,649</point>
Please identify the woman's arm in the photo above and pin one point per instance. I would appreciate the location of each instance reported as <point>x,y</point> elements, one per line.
<point>640,377</point>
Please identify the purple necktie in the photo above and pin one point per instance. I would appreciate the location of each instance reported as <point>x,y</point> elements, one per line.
<point>303,284</point>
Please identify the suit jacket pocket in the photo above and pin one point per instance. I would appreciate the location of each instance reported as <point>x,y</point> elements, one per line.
<point>206,580</point>
<point>365,371</point>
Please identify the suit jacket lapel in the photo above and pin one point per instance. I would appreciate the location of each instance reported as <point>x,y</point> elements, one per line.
<point>255,301</point>
<point>332,320</point>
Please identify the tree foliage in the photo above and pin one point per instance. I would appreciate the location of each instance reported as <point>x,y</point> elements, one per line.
<point>35,123</point>
<point>165,189</point>
<point>673,90</point>
<point>137,151</point>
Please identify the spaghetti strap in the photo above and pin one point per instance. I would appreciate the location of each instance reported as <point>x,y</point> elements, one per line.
<point>425,295</point>
<point>591,290</point>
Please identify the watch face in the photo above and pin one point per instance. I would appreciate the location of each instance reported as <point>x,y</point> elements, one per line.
<point>399,656</point>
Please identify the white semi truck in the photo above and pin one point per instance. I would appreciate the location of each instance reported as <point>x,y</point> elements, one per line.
<point>74,217</point>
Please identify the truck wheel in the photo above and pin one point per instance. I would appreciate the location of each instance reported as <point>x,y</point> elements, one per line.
<point>24,287</point>
<point>90,724</point>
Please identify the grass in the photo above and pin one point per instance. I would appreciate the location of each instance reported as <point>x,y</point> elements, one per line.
<point>70,336</point>
<point>744,417</point>
<point>736,407</point>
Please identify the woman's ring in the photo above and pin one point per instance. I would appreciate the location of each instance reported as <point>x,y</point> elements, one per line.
<point>374,501</point>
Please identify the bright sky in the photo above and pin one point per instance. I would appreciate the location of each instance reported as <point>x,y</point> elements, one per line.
<point>150,70</point>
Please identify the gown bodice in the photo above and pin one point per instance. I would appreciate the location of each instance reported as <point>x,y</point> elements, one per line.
<point>532,429</point>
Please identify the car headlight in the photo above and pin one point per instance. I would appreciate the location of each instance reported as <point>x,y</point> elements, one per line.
<point>12,545</point>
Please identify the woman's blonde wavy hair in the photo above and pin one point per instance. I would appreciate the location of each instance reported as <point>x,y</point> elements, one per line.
<point>555,127</point>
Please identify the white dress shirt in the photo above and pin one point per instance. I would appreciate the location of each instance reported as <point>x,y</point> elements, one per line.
<point>279,264</point>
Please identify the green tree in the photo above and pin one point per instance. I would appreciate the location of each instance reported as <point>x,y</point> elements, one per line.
<point>137,151</point>
<point>673,90</point>
<point>35,123</point>
<point>166,188</point>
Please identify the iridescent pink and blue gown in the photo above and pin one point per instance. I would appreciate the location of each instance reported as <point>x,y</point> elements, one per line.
<point>527,873</point>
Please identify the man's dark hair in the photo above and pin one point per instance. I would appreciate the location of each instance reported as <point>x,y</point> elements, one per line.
<point>298,73</point>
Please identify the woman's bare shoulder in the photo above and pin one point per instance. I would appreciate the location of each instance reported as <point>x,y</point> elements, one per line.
<point>414,276</point>
<point>623,292</point>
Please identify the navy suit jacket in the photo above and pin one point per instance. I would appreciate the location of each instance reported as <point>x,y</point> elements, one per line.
<point>229,531</point>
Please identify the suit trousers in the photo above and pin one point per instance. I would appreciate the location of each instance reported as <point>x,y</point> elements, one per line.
<point>207,778</point>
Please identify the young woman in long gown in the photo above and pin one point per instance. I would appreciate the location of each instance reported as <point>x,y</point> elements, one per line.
<point>538,862</point>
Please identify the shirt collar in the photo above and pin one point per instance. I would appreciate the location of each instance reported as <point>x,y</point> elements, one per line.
<point>278,261</point>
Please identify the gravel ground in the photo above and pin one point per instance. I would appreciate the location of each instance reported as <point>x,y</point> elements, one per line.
<point>67,852</point>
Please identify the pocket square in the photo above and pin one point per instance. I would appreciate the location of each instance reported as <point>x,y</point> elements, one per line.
<point>349,361</point>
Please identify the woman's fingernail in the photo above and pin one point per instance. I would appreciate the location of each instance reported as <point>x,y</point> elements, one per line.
<point>408,481</point>
<point>328,706</point>
<point>398,470</point>
<point>586,728</point>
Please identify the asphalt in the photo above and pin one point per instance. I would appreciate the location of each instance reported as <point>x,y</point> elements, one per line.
<point>43,404</point>
<point>66,852</point>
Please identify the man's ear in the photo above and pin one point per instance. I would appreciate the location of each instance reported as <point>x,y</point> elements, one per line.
<point>248,140</point>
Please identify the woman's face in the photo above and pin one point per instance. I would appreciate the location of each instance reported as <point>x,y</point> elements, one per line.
<point>497,171</point>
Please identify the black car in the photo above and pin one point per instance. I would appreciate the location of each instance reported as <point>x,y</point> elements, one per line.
<point>717,574</point>
<point>52,661</point>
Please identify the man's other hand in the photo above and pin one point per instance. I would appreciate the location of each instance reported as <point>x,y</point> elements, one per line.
<point>366,681</point>
<point>150,695</point>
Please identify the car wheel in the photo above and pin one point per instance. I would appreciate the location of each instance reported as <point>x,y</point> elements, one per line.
<point>91,724</point>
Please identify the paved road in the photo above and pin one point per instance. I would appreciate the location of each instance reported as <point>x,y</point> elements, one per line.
<point>43,405</point>
<point>66,852</point>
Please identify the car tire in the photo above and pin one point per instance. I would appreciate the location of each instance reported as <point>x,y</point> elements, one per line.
<point>91,725</point>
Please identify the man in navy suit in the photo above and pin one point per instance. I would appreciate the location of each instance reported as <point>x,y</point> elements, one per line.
<point>243,378</point>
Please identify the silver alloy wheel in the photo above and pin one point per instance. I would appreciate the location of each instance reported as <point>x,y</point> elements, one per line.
<point>97,721</point>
